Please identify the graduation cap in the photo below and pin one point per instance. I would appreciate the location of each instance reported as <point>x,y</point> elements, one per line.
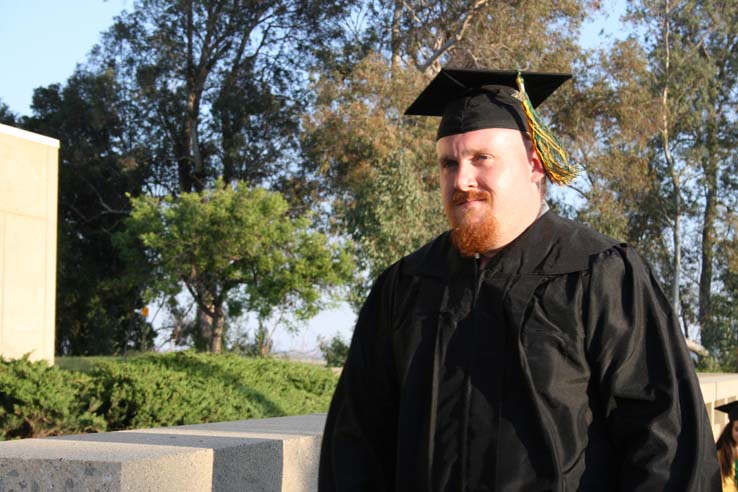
<point>731,409</point>
<point>468,100</point>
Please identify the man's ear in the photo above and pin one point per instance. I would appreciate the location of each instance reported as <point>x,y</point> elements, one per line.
<point>537,171</point>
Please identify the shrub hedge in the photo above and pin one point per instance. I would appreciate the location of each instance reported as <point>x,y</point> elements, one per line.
<point>38,401</point>
<point>155,390</point>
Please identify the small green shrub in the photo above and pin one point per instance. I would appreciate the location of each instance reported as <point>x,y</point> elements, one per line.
<point>142,392</point>
<point>335,351</point>
<point>713,364</point>
<point>38,401</point>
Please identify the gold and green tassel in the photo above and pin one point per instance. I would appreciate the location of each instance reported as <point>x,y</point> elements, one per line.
<point>552,154</point>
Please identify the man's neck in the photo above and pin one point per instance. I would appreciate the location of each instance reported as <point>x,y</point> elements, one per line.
<point>487,255</point>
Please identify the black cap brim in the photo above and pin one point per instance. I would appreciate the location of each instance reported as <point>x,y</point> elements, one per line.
<point>731,409</point>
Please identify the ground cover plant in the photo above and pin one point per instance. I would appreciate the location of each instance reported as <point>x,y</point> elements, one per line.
<point>153,390</point>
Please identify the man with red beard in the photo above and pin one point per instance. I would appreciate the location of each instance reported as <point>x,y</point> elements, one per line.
<point>519,351</point>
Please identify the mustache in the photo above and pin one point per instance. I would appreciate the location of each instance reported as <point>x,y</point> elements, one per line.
<point>460,196</point>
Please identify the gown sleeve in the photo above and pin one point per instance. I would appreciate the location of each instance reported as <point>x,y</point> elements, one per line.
<point>648,388</point>
<point>359,436</point>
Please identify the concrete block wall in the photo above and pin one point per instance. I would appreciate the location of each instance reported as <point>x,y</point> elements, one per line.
<point>28,217</point>
<point>268,455</point>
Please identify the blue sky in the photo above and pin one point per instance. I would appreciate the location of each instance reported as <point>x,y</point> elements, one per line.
<point>44,40</point>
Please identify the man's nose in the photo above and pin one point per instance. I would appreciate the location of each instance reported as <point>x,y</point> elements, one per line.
<point>466,176</point>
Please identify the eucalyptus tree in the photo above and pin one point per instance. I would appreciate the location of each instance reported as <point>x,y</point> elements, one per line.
<point>692,52</point>
<point>216,85</point>
<point>377,165</point>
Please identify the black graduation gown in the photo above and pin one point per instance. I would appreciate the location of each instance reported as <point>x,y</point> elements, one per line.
<point>558,367</point>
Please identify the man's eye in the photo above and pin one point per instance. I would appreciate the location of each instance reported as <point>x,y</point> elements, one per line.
<point>448,163</point>
<point>483,157</point>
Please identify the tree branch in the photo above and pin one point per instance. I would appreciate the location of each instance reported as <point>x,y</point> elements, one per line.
<point>478,4</point>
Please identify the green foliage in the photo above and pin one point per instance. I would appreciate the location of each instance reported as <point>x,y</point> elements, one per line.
<point>181,92</point>
<point>141,392</point>
<point>335,351</point>
<point>81,363</point>
<point>7,117</point>
<point>710,364</point>
<point>185,388</point>
<point>39,401</point>
<point>96,299</point>
<point>381,168</point>
<point>175,94</point>
<point>154,390</point>
<point>720,336</point>
<point>659,133</point>
<point>236,245</point>
<point>399,212</point>
<point>215,86</point>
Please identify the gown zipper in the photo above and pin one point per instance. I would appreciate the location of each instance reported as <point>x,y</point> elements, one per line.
<point>477,282</point>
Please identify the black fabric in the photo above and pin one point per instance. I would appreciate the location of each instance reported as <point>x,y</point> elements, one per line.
<point>470,100</point>
<point>731,409</point>
<point>486,107</point>
<point>453,83</point>
<point>557,367</point>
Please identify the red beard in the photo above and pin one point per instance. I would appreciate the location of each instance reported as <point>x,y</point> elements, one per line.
<point>474,231</point>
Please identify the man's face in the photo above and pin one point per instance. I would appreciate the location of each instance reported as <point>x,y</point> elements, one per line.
<point>489,187</point>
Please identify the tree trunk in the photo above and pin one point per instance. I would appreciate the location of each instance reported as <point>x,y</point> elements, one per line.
<point>708,242</point>
<point>198,168</point>
<point>229,127</point>
<point>184,149</point>
<point>677,263</point>
<point>671,166</point>
<point>205,329</point>
<point>216,342</point>
<point>184,169</point>
<point>263,341</point>
<point>195,79</point>
<point>396,33</point>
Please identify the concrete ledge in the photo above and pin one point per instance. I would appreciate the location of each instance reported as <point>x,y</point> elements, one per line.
<point>279,454</point>
<point>268,455</point>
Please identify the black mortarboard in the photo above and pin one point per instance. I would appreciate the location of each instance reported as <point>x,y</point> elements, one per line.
<point>731,409</point>
<point>475,99</point>
<point>468,100</point>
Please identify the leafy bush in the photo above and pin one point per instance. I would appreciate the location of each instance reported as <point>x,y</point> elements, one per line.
<point>184,387</point>
<point>280,387</point>
<point>155,390</point>
<point>38,401</point>
<point>140,395</point>
<point>335,351</point>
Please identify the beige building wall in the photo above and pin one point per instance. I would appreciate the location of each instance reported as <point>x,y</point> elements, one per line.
<point>28,204</point>
<point>718,389</point>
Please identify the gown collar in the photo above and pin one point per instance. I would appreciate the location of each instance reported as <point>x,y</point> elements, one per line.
<point>551,245</point>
